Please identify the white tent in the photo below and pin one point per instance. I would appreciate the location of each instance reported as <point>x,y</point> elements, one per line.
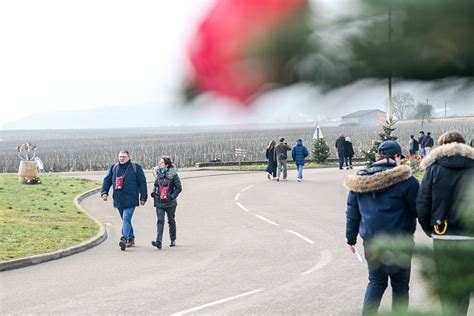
<point>318,133</point>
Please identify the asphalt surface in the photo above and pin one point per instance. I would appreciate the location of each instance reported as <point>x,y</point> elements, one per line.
<point>246,245</point>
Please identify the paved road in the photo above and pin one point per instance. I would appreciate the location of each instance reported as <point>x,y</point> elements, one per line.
<point>246,245</point>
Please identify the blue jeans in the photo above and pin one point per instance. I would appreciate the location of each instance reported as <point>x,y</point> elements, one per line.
<point>127,229</point>
<point>300,171</point>
<point>378,282</point>
<point>160,225</point>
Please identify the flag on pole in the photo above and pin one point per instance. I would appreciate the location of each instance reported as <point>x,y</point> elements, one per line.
<point>318,133</point>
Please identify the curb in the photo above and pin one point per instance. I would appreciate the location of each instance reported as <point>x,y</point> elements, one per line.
<point>94,241</point>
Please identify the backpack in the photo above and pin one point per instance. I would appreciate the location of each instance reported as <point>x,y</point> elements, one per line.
<point>134,167</point>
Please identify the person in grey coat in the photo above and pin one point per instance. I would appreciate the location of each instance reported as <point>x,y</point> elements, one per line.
<point>281,151</point>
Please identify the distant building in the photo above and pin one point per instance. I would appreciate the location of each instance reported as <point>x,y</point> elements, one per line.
<point>364,118</point>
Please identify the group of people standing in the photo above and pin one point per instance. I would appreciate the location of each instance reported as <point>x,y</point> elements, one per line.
<point>129,187</point>
<point>386,200</point>
<point>345,151</point>
<point>277,155</point>
<point>422,145</point>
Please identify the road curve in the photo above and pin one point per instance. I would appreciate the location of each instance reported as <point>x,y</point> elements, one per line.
<point>245,245</point>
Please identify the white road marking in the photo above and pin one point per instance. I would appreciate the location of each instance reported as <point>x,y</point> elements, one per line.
<point>309,241</point>
<point>246,188</point>
<point>216,303</point>
<point>267,220</point>
<point>237,196</point>
<point>242,207</point>
<point>323,261</point>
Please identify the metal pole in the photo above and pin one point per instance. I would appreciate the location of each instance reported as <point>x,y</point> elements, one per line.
<point>444,108</point>
<point>389,105</point>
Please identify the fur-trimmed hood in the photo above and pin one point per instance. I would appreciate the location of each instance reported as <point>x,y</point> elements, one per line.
<point>454,155</point>
<point>172,171</point>
<point>377,177</point>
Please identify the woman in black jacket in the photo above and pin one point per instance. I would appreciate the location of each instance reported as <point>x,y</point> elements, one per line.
<point>272,161</point>
<point>165,192</point>
<point>348,152</point>
<point>445,195</point>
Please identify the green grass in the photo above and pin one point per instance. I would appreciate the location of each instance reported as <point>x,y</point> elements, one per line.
<point>291,166</point>
<point>41,218</point>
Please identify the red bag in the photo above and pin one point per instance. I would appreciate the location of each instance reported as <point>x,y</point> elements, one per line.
<point>119,183</point>
<point>164,192</point>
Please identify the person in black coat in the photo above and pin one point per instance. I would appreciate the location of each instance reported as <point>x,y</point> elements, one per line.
<point>382,201</point>
<point>428,143</point>
<point>166,189</point>
<point>129,190</point>
<point>340,149</point>
<point>272,160</point>
<point>420,142</point>
<point>446,193</point>
<point>348,152</point>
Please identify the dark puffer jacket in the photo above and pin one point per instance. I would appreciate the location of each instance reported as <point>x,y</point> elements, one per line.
<point>382,200</point>
<point>134,185</point>
<point>348,149</point>
<point>299,153</point>
<point>166,177</point>
<point>448,178</point>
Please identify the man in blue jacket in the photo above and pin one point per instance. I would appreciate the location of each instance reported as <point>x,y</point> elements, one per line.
<point>382,201</point>
<point>129,190</point>
<point>299,153</point>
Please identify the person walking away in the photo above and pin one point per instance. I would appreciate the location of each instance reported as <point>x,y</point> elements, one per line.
<point>272,160</point>
<point>428,143</point>
<point>282,155</point>
<point>299,153</point>
<point>421,138</point>
<point>129,190</point>
<point>413,146</point>
<point>382,201</point>
<point>348,152</point>
<point>447,182</point>
<point>166,189</point>
<point>340,149</point>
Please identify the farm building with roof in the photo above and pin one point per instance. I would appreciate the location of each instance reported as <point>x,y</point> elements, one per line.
<point>364,118</point>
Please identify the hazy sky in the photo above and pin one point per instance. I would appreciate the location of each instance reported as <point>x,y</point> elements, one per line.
<point>71,55</point>
<point>67,55</point>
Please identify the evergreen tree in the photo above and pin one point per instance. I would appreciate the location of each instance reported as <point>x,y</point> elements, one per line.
<point>386,134</point>
<point>320,150</point>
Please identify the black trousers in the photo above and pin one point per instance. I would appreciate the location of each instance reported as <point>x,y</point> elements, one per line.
<point>160,225</point>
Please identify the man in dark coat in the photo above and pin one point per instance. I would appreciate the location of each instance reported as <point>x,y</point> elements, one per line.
<point>382,201</point>
<point>299,153</point>
<point>420,141</point>
<point>428,143</point>
<point>281,151</point>
<point>129,190</point>
<point>166,189</point>
<point>340,149</point>
<point>445,196</point>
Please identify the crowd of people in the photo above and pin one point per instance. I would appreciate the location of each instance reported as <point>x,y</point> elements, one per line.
<point>384,199</point>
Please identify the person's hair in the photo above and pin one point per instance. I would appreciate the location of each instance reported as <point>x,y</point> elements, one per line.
<point>167,161</point>
<point>421,132</point>
<point>412,136</point>
<point>451,137</point>
<point>429,133</point>
<point>271,144</point>
<point>124,152</point>
<point>348,139</point>
<point>282,139</point>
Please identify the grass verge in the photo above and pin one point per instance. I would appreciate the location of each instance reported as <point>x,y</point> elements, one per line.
<point>42,218</point>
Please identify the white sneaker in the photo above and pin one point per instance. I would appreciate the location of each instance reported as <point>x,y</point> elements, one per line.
<point>299,180</point>
<point>269,176</point>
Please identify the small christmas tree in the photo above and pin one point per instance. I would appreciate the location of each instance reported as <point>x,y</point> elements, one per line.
<point>320,150</point>
<point>386,134</point>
